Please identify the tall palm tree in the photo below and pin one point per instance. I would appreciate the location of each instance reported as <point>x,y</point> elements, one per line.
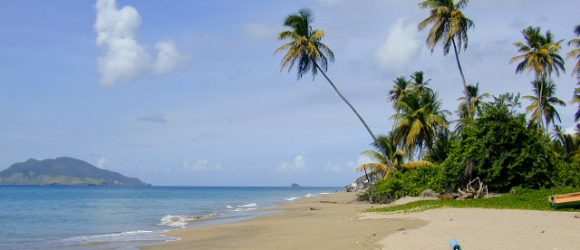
<point>420,117</point>
<point>399,89</point>
<point>420,85</point>
<point>449,27</point>
<point>539,54</point>
<point>305,47</point>
<point>575,53</point>
<point>544,106</point>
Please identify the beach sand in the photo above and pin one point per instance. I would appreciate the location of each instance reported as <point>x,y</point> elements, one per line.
<point>338,221</point>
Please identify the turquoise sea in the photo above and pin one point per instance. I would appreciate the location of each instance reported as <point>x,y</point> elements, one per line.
<point>57,217</point>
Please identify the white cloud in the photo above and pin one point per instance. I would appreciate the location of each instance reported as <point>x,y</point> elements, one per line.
<point>125,58</point>
<point>201,165</point>
<point>400,47</point>
<point>297,165</point>
<point>260,30</point>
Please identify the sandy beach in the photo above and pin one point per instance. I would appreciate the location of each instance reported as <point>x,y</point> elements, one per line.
<point>338,221</point>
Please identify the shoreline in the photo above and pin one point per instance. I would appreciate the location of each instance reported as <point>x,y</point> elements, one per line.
<point>338,221</point>
<point>322,222</point>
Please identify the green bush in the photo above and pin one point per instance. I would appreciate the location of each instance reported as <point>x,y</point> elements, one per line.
<point>503,151</point>
<point>407,182</point>
<point>568,174</point>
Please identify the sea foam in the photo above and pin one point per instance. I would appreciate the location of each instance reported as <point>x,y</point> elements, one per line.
<point>183,220</point>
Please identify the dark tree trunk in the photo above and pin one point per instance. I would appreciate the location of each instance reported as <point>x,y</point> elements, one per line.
<point>462,76</point>
<point>353,110</point>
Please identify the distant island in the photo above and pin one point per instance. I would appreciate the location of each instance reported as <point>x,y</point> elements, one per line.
<point>63,171</point>
<point>294,185</point>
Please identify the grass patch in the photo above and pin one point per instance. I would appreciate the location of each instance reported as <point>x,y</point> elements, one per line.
<point>519,199</point>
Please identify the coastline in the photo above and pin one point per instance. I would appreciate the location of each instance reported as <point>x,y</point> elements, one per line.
<point>322,222</point>
<point>338,221</point>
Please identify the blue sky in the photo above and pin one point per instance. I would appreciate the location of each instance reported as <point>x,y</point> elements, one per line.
<point>182,92</point>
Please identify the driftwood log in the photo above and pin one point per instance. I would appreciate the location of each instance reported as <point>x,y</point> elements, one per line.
<point>474,189</point>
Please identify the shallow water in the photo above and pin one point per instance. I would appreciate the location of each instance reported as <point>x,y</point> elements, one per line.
<point>125,217</point>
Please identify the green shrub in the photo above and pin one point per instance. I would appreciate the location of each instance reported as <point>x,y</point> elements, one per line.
<point>503,151</point>
<point>407,182</point>
<point>568,174</point>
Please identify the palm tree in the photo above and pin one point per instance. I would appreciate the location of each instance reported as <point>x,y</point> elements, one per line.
<point>575,53</point>
<point>420,117</point>
<point>470,104</point>
<point>305,47</point>
<point>539,54</point>
<point>420,85</point>
<point>398,90</point>
<point>565,145</point>
<point>544,107</point>
<point>384,163</point>
<point>449,27</point>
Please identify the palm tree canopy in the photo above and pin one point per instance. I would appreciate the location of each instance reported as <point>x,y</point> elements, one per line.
<point>398,90</point>
<point>420,117</point>
<point>575,52</point>
<point>448,23</point>
<point>304,45</point>
<point>473,100</point>
<point>539,53</point>
<point>546,104</point>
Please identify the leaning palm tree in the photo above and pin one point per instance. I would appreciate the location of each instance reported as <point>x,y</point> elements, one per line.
<point>539,54</point>
<point>449,28</point>
<point>305,48</point>
<point>544,108</point>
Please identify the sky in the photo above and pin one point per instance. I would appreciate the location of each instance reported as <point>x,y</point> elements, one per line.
<point>180,92</point>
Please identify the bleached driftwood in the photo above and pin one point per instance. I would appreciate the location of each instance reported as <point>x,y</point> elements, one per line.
<point>474,189</point>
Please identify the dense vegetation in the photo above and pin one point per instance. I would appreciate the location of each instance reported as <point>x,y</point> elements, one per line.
<point>492,138</point>
<point>518,199</point>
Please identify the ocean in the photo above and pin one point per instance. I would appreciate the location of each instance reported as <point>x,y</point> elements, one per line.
<point>84,218</point>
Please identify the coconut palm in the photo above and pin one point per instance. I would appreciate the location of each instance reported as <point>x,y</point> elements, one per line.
<point>306,49</point>
<point>544,107</point>
<point>539,54</point>
<point>419,84</point>
<point>384,163</point>
<point>470,104</point>
<point>420,117</point>
<point>575,52</point>
<point>449,28</point>
<point>399,89</point>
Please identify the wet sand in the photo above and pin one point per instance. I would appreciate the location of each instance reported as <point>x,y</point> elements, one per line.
<point>323,222</point>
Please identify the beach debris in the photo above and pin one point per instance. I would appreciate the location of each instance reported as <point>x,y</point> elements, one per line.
<point>448,196</point>
<point>429,193</point>
<point>313,208</point>
<point>331,202</point>
<point>577,216</point>
<point>474,189</point>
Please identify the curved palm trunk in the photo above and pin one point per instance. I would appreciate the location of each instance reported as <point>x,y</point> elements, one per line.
<point>461,73</point>
<point>353,110</point>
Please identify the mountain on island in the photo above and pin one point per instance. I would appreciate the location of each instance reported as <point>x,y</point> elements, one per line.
<point>63,171</point>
